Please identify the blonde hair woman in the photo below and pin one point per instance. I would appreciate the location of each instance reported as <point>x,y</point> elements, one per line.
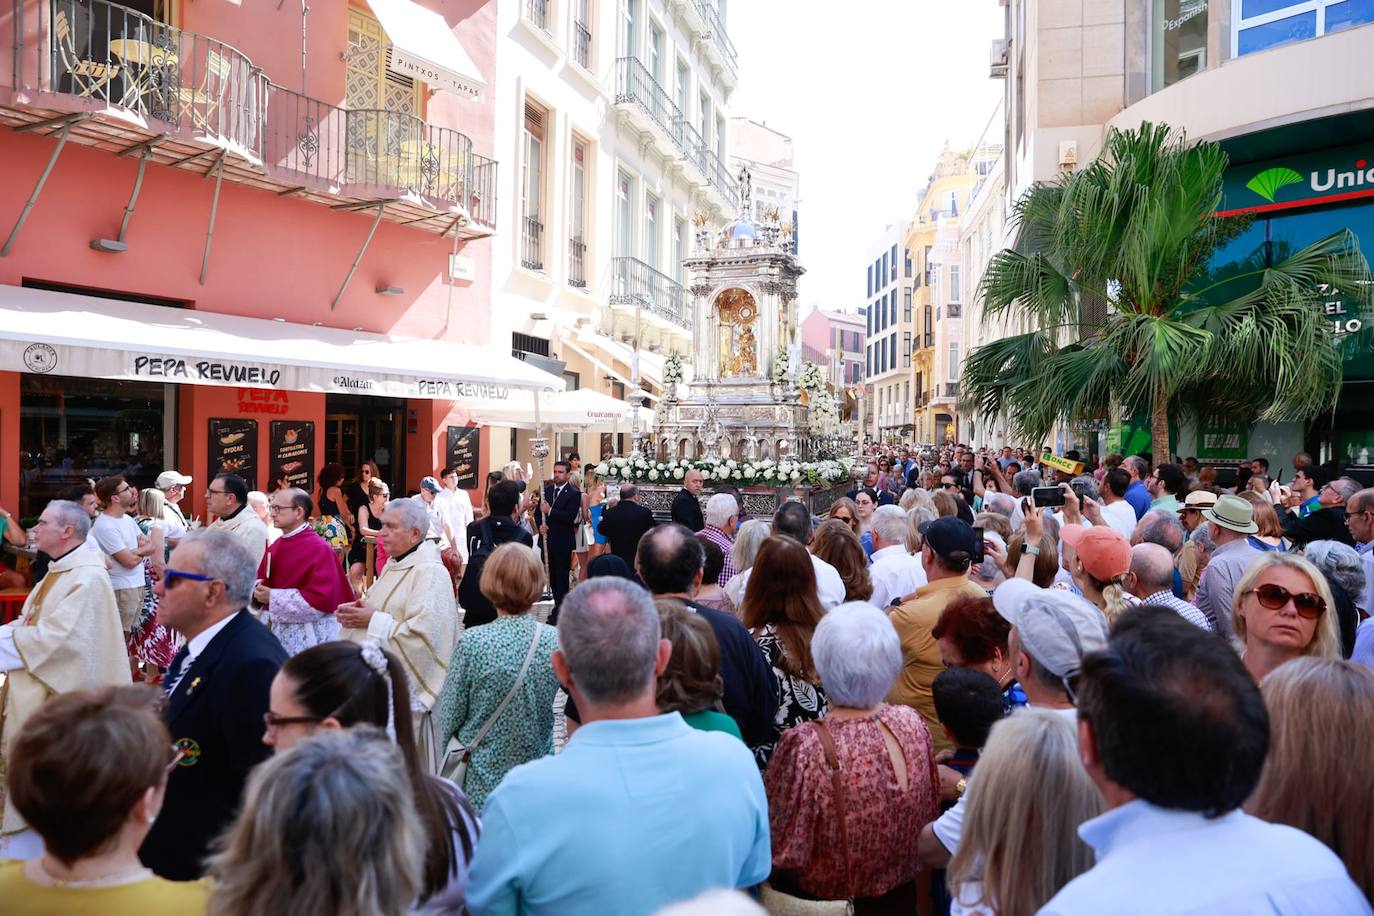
<point>1282,610</point>
<point>1102,557</point>
<point>1321,711</point>
<point>748,538</point>
<point>1026,798</point>
<point>914,520</point>
<point>344,789</point>
<point>593,504</point>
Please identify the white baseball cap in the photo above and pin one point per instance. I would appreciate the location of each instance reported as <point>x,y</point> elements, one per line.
<point>168,479</point>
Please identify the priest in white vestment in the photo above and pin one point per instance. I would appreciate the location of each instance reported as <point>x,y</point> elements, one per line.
<point>67,637</point>
<point>412,611</point>
<point>227,497</point>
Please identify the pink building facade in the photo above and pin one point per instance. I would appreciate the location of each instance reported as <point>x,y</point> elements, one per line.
<point>310,170</point>
<point>835,341</point>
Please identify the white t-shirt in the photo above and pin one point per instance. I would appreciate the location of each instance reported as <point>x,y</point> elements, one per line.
<point>113,535</point>
<point>173,522</point>
<point>1120,516</point>
<point>456,508</point>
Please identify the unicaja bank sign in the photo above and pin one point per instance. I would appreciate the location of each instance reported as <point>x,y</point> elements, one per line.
<point>1325,177</point>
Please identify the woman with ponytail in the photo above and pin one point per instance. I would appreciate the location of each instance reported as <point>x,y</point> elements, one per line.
<point>1101,559</point>
<point>341,684</point>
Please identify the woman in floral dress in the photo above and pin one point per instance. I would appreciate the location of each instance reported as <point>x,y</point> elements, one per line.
<point>781,610</point>
<point>149,641</point>
<point>485,666</point>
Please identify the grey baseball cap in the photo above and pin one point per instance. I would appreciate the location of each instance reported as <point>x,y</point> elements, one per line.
<point>1055,626</point>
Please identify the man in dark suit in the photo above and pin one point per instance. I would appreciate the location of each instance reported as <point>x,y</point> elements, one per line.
<point>687,504</point>
<point>562,506</point>
<point>1328,522</point>
<point>625,523</point>
<point>217,695</point>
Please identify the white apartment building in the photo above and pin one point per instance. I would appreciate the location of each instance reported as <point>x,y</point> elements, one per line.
<point>611,124</point>
<point>887,351</point>
<point>768,154</point>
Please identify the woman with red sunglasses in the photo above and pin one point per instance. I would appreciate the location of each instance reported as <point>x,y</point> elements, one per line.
<point>1282,610</point>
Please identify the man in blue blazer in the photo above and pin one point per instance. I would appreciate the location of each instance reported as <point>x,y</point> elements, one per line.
<point>217,697</point>
<point>562,507</point>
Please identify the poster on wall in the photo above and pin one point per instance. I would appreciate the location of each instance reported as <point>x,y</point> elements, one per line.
<point>464,446</point>
<point>234,449</point>
<point>292,453</point>
<point>1223,443</point>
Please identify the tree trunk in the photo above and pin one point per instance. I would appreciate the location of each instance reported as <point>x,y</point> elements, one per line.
<point>1159,427</point>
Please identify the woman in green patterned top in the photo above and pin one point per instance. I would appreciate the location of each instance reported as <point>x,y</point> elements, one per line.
<point>486,665</point>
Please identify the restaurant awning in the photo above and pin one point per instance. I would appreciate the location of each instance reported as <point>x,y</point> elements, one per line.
<point>58,333</point>
<point>582,409</point>
<point>423,46</point>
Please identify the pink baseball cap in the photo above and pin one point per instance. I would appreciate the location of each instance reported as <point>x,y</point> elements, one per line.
<point>1102,550</point>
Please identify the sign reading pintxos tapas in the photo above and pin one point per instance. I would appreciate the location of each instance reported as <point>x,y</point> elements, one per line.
<point>464,445</point>
<point>293,453</point>
<point>234,449</point>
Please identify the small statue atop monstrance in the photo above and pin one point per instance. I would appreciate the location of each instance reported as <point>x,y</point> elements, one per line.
<point>739,349</point>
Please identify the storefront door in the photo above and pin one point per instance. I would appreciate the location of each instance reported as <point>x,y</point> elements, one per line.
<point>359,429</point>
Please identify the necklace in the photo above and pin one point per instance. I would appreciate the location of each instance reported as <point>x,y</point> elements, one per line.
<point>127,875</point>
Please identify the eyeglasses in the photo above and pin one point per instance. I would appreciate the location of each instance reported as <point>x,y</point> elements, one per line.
<point>950,486</point>
<point>172,576</point>
<point>210,492</point>
<point>271,720</point>
<point>1275,597</point>
<point>273,507</point>
<point>124,489</point>
<point>843,518</point>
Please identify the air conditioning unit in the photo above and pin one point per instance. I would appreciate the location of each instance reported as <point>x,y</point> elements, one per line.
<point>998,58</point>
<point>1068,154</point>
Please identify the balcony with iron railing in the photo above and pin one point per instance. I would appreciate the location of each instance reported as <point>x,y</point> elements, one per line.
<point>946,391</point>
<point>577,263</point>
<point>582,45</point>
<point>640,95</point>
<point>532,243</point>
<point>110,77</point>
<point>636,284</point>
<point>720,40</point>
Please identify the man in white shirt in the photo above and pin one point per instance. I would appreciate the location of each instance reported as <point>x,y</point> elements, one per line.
<point>895,573</point>
<point>118,536</point>
<point>794,520</point>
<point>173,487</point>
<point>456,507</point>
<point>1115,510</point>
<point>1173,730</point>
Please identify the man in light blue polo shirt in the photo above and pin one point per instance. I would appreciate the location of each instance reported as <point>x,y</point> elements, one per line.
<point>640,810</point>
<point>1174,732</point>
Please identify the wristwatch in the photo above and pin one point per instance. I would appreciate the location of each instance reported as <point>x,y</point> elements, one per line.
<point>1031,549</point>
<point>959,788</point>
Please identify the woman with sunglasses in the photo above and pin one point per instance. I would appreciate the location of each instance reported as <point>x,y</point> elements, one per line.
<point>1282,611</point>
<point>88,772</point>
<point>844,510</point>
<point>865,501</point>
<point>341,684</point>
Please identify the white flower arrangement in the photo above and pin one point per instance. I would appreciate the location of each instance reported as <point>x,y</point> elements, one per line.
<point>812,379</point>
<point>780,366</point>
<point>765,472</point>
<point>672,370</point>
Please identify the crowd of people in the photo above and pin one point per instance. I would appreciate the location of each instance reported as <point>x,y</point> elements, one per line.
<point>983,682</point>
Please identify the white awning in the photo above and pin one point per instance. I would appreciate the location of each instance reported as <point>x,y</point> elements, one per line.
<point>582,409</point>
<point>57,333</point>
<point>423,46</point>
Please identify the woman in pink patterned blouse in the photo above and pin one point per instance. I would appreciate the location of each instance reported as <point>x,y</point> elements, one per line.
<point>887,776</point>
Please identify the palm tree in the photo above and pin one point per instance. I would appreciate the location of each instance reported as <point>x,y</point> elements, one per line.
<point>1111,275</point>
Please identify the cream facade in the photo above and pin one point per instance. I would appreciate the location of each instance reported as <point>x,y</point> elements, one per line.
<point>767,153</point>
<point>614,118</point>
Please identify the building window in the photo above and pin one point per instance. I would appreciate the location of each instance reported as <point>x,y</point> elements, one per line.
<point>679,250</point>
<point>629,20</point>
<point>892,305</point>
<point>537,13</point>
<point>1265,24</point>
<point>704,119</point>
<point>1179,39</point>
<point>892,345</point>
<point>906,304</point>
<point>684,87</point>
<point>532,189</point>
<point>954,294</point>
<point>624,215</point>
<point>720,137</point>
<point>652,207</point>
<point>869,294</point>
<point>906,349</point>
<point>882,271</point>
<point>577,226</point>
<point>893,276</point>
<point>907,258</point>
<point>954,361</point>
<point>582,33</point>
<point>655,62</point>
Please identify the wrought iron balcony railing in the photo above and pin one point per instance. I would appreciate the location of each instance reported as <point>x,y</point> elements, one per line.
<point>635,283</point>
<point>636,86</point>
<point>208,93</point>
<point>947,390</point>
<point>532,244</point>
<point>711,16</point>
<point>577,266</point>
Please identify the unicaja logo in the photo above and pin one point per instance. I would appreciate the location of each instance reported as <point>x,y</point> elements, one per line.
<point>1270,182</point>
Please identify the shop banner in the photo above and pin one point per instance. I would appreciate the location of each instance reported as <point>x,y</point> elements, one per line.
<point>464,448</point>
<point>292,453</point>
<point>234,449</point>
<point>1223,443</point>
<point>229,372</point>
<point>1321,177</point>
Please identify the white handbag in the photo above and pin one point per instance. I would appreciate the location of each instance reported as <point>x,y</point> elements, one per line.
<point>456,759</point>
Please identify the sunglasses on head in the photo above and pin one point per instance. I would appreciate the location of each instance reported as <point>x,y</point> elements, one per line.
<point>1275,597</point>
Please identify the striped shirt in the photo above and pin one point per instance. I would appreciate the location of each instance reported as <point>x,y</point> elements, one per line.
<point>1189,612</point>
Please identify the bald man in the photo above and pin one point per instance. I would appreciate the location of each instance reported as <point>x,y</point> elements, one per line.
<point>1151,579</point>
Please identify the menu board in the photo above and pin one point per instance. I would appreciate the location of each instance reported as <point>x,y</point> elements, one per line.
<point>292,453</point>
<point>464,446</point>
<point>234,449</point>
